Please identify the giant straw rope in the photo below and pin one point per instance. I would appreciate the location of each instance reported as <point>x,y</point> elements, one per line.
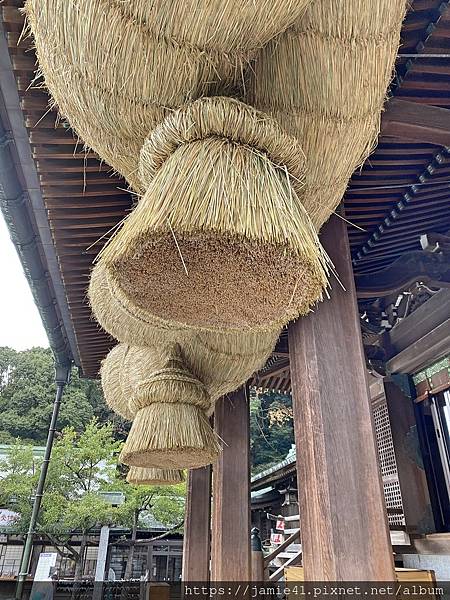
<point>238,123</point>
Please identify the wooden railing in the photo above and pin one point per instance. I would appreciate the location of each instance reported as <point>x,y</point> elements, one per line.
<point>270,557</point>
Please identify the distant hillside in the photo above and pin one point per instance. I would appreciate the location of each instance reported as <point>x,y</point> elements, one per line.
<point>27,391</point>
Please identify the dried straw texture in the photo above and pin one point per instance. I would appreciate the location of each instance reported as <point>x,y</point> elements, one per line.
<point>325,81</point>
<point>219,25</point>
<point>222,361</point>
<point>170,436</point>
<point>143,476</point>
<point>222,208</point>
<point>170,426</point>
<point>116,67</point>
<point>128,382</point>
<point>111,373</point>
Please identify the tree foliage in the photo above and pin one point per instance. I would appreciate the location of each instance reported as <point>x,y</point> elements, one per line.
<point>271,429</point>
<point>164,503</point>
<point>27,391</point>
<point>82,467</point>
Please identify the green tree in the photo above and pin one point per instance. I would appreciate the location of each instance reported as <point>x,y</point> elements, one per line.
<point>83,465</point>
<point>165,503</point>
<point>19,475</point>
<point>27,391</point>
<point>271,429</point>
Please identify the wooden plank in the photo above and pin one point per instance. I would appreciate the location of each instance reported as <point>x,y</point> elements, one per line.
<point>72,166</point>
<point>344,527</point>
<point>295,574</point>
<point>11,14</point>
<point>431,347</point>
<point>230,532</point>
<point>411,477</point>
<point>414,121</point>
<point>197,526</point>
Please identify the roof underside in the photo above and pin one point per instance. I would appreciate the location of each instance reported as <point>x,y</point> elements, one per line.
<point>399,194</point>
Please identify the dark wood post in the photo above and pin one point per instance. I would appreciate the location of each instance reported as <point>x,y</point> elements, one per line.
<point>197,528</point>
<point>230,549</point>
<point>411,475</point>
<point>345,534</point>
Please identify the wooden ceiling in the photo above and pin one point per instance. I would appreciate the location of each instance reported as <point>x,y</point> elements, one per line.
<point>400,193</point>
<point>402,190</point>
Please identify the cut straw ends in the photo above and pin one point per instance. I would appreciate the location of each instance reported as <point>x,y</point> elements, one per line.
<point>239,248</point>
<point>143,476</point>
<point>170,436</point>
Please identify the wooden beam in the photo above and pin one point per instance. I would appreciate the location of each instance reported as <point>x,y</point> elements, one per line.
<point>416,265</point>
<point>414,121</point>
<point>411,475</point>
<point>431,347</point>
<point>197,527</point>
<point>230,547</point>
<point>344,527</point>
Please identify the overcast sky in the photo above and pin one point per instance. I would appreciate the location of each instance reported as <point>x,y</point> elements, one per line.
<point>20,323</point>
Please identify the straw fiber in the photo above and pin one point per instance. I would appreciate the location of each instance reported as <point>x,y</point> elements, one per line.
<point>170,435</point>
<point>222,361</point>
<point>111,376</point>
<point>115,68</point>
<point>222,208</point>
<point>325,81</point>
<point>143,476</point>
<point>186,439</point>
<point>170,427</point>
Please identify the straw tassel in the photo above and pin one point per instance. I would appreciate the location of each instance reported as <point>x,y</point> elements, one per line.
<point>111,374</point>
<point>143,476</point>
<point>222,361</point>
<point>170,427</point>
<point>222,208</point>
<point>170,435</point>
<point>116,68</point>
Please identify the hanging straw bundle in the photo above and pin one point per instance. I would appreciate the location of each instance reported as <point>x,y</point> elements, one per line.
<point>116,390</point>
<point>222,361</point>
<point>111,377</point>
<point>142,476</point>
<point>170,428</point>
<point>222,208</point>
<point>115,68</point>
<point>325,81</point>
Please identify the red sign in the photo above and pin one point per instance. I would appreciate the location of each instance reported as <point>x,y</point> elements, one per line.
<point>281,524</point>
<point>276,538</point>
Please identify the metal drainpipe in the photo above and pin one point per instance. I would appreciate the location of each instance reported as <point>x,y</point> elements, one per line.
<point>62,376</point>
<point>14,205</point>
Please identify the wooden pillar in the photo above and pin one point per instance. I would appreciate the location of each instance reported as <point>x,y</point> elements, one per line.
<point>344,525</point>
<point>197,529</point>
<point>411,475</point>
<point>150,561</point>
<point>230,548</point>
